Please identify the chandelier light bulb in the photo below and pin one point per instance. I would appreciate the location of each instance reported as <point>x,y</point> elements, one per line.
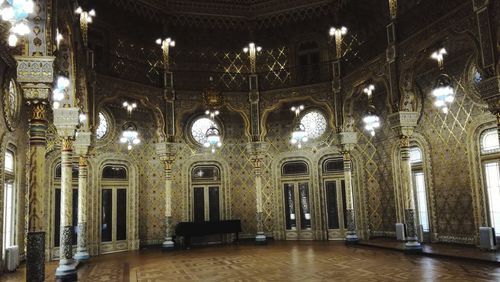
<point>158,41</point>
<point>369,90</point>
<point>82,117</point>
<point>56,105</point>
<point>92,13</point>
<point>20,29</point>
<point>79,10</point>
<point>12,40</point>
<point>8,14</point>
<point>245,50</point>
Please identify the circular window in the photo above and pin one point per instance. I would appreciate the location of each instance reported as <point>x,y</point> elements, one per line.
<point>314,123</point>
<point>103,126</point>
<point>199,129</point>
<point>11,104</point>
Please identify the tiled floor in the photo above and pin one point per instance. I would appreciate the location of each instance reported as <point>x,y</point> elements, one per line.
<point>278,261</point>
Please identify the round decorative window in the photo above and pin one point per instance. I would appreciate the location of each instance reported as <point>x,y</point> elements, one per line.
<point>314,123</point>
<point>199,129</point>
<point>103,126</point>
<point>11,105</point>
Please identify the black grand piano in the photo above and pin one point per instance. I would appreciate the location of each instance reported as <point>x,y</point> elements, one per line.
<point>202,228</point>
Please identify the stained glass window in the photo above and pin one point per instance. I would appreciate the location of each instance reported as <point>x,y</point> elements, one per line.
<point>103,127</point>
<point>200,127</point>
<point>314,123</point>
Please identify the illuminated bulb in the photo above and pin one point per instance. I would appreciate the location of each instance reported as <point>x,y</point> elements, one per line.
<point>56,105</point>
<point>245,50</point>
<point>123,140</point>
<point>12,40</point>
<point>158,41</point>
<point>82,117</point>
<point>129,147</point>
<point>92,13</point>
<point>21,29</point>
<point>79,10</point>
<point>207,112</point>
<point>8,14</point>
<point>259,49</point>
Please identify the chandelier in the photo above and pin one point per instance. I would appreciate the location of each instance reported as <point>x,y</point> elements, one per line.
<point>371,120</point>
<point>299,134</point>
<point>58,92</point>
<point>129,107</point>
<point>130,136</point>
<point>443,92</point>
<point>16,12</point>
<point>213,134</point>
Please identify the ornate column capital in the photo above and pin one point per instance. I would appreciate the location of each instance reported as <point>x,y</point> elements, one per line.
<point>167,151</point>
<point>403,123</point>
<point>36,75</point>
<point>82,143</point>
<point>66,121</point>
<point>348,140</point>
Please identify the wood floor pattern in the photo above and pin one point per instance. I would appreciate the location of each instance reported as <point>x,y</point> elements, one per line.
<point>279,261</point>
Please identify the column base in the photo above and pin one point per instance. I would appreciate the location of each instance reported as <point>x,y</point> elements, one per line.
<point>82,256</point>
<point>261,239</point>
<point>412,248</point>
<point>351,239</point>
<point>168,245</point>
<point>67,272</point>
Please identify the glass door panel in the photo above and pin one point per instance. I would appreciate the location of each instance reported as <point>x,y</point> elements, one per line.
<point>291,220</point>
<point>213,203</point>
<point>199,204</point>
<point>121,214</point>
<point>107,215</point>
<point>331,205</point>
<point>305,213</point>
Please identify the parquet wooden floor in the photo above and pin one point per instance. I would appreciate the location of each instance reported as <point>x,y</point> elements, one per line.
<point>278,261</point>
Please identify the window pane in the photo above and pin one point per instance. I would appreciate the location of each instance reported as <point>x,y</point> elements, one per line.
<point>205,173</point>
<point>114,172</point>
<point>331,205</point>
<point>102,128</point>
<point>291,220</point>
<point>57,215</point>
<point>489,141</point>
<point>9,215</point>
<point>121,214</point>
<point>295,168</point>
<point>344,204</point>
<point>305,211</point>
<point>415,155</point>
<point>421,194</point>
<point>9,162</point>
<point>107,215</point>
<point>493,187</point>
<point>334,165</point>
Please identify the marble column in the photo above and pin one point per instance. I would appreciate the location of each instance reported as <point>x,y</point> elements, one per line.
<point>66,120</point>
<point>348,140</point>
<point>167,153</point>
<point>81,149</point>
<point>404,124</point>
<point>256,150</point>
<point>36,75</point>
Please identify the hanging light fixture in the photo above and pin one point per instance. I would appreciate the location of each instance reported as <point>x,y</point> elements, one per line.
<point>371,120</point>
<point>58,92</point>
<point>130,136</point>
<point>299,134</point>
<point>129,107</point>
<point>443,91</point>
<point>212,135</point>
<point>16,13</point>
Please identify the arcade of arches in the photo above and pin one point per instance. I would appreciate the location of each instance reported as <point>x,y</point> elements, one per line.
<point>341,122</point>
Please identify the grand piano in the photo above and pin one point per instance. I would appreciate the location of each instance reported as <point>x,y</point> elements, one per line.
<point>203,228</point>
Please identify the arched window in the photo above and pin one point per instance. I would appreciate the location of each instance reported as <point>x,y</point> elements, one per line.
<point>10,201</point>
<point>199,129</point>
<point>102,126</point>
<point>490,157</point>
<point>419,187</point>
<point>314,123</point>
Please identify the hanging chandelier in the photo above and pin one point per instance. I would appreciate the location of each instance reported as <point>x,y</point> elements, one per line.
<point>443,92</point>
<point>16,13</point>
<point>212,135</point>
<point>129,107</point>
<point>130,136</point>
<point>58,92</point>
<point>371,120</point>
<point>299,134</point>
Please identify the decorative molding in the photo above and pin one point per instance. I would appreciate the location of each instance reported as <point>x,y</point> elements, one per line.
<point>66,121</point>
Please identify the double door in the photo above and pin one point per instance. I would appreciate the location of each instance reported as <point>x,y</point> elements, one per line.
<point>297,205</point>
<point>113,219</point>
<point>206,203</point>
